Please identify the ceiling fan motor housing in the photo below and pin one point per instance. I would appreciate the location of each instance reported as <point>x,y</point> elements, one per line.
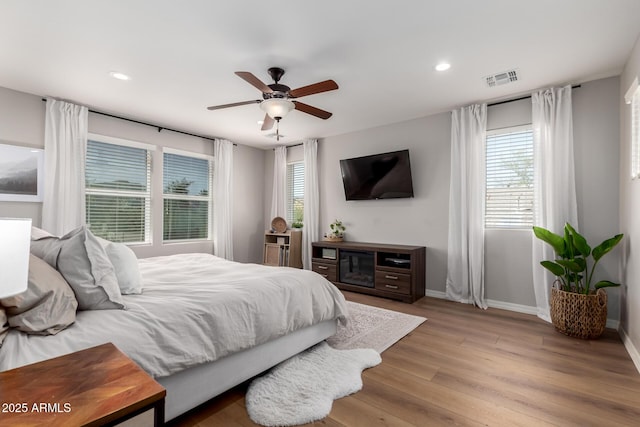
<point>279,91</point>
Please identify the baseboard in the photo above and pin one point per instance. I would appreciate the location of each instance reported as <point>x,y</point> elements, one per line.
<point>519,308</point>
<point>631,349</point>
<point>491,303</point>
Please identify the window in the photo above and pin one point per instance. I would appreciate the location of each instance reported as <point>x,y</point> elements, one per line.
<point>118,189</point>
<point>187,200</point>
<point>295,192</point>
<point>633,97</point>
<point>509,178</point>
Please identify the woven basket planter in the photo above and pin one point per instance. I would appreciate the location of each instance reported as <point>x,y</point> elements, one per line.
<point>579,315</point>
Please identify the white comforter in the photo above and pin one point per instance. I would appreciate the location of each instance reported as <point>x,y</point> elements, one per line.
<point>195,308</point>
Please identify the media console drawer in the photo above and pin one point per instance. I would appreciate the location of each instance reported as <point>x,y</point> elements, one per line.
<point>393,282</point>
<point>328,271</point>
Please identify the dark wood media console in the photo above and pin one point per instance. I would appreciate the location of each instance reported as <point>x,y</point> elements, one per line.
<point>392,271</point>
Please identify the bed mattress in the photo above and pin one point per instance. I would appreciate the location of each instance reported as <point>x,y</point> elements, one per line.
<point>194,309</point>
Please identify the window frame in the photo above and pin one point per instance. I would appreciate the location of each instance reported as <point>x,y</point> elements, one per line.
<point>150,149</point>
<point>505,131</point>
<point>208,198</point>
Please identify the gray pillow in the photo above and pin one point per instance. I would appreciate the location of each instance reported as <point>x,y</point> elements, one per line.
<point>46,307</point>
<point>83,262</point>
<point>125,263</point>
<point>4,326</point>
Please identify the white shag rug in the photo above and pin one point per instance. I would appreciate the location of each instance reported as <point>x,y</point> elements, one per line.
<point>302,389</point>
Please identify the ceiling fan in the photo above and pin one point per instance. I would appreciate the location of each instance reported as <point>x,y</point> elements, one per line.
<point>278,99</point>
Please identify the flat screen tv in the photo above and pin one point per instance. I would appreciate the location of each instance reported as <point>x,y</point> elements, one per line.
<point>379,176</point>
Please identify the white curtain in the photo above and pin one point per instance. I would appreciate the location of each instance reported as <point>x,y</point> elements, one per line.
<point>65,146</point>
<point>310,231</point>
<point>465,262</point>
<point>223,199</point>
<point>554,180</point>
<point>279,195</point>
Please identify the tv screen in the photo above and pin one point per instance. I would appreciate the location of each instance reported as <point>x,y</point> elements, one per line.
<point>380,176</point>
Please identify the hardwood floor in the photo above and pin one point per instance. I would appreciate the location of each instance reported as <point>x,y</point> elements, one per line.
<point>470,367</point>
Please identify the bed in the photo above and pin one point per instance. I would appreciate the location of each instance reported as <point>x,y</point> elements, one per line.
<point>201,325</point>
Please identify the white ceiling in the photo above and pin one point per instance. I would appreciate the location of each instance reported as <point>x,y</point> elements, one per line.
<point>182,55</point>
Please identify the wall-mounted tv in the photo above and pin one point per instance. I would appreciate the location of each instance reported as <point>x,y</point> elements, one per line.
<point>379,176</point>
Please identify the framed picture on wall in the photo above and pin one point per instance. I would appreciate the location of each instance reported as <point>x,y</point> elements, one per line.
<point>21,173</point>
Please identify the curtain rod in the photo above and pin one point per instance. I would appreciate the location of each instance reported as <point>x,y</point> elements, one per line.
<point>160,128</point>
<point>506,101</point>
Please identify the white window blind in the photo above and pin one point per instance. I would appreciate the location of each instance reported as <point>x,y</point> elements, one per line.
<point>509,178</point>
<point>295,192</point>
<point>118,190</point>
<point>187,200</point>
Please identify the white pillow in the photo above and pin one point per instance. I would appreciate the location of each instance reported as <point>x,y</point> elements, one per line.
<point>125,263</point>
<point>83,262</point>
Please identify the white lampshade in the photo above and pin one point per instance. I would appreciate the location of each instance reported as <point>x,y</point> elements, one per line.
<point>277,108</point>
<point>15,241</point>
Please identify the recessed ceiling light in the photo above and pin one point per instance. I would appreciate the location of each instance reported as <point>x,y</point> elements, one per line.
<point>118,75</point>
<point>443,66</point>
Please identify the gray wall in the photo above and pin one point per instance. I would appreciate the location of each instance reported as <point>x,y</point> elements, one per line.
<point>22,123</point>
<point>423,220</point>
<point>629,224</point>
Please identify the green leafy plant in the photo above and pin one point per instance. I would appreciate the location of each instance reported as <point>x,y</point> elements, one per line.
<point>337,229</point>
<point>296,224</point>
<point>571,266</point>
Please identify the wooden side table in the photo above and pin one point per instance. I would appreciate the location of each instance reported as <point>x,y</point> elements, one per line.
<point>93,387</point>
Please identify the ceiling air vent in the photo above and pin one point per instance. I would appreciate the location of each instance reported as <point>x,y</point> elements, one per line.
<point>500,79</point>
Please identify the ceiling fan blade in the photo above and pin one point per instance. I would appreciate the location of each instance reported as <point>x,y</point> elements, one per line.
<point>267,123</point>
<point>324,86</point>
<point>306,108</point>
<point>235,104</point>
<point>253,80</point>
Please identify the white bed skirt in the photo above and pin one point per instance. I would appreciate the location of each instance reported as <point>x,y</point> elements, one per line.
<point>192,387</point>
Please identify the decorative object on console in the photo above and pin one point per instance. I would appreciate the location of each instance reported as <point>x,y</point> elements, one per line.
<point>337,232</point>
<point>278,224</point>
<point>576,309</point>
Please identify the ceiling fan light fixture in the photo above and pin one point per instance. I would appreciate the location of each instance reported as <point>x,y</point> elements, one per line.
<point>277,108</point>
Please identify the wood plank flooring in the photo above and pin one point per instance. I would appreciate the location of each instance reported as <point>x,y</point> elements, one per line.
<point>469,367</point>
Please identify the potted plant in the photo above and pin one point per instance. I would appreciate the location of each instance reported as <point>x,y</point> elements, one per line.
<point>578,307</point>
<point>337,231</point>
<point>297,225</point>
